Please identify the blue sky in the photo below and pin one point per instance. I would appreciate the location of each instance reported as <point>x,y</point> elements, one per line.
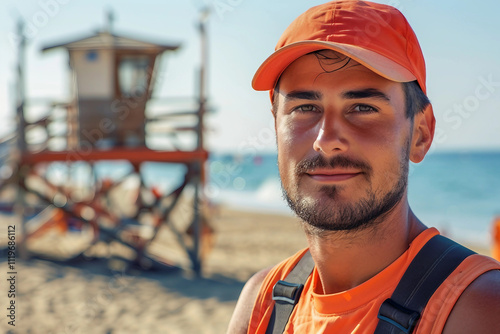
<point>459,39</point>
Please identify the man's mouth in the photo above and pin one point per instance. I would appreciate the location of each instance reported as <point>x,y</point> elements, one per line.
<point>332,175</point>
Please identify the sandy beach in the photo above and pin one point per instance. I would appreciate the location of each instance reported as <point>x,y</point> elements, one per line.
<point>97,297</point>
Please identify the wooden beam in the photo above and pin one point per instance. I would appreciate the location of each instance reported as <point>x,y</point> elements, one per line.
<point>134,155</point>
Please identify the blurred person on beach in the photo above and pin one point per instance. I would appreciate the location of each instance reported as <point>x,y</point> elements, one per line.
<point>348,92</point>
<point>495,252</point>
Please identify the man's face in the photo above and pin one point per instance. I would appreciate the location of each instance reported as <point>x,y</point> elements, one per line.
<point>343,142</point>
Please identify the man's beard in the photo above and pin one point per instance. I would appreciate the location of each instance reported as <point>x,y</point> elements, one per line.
<point>364,213</point>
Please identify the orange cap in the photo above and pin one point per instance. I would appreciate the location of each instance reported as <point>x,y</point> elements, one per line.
<point>375,35</point>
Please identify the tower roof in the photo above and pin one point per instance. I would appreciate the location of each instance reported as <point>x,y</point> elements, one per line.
<point>107,40</point>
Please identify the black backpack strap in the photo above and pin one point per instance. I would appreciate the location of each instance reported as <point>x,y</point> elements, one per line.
<point>438,258</point>
<point>286,294</point>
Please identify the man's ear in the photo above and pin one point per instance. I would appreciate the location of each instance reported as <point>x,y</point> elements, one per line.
<point>423,132</point>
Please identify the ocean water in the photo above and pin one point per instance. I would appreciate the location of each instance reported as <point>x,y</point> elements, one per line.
<point>457,192</point>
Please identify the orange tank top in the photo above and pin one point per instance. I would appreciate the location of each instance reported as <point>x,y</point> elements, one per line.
<point>355,310</point>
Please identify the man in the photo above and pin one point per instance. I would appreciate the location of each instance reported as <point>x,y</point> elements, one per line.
<point>347,83</point>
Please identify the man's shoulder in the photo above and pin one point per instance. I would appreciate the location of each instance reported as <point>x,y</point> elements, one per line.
<point>477,309</point>
<point>243,310</point>
<point>276,272</point>
<point>255,282</point>
<point>244,307</point>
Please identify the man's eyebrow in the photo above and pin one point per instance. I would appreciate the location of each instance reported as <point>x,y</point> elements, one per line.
<point>303,95</point>
<point>369,93</point>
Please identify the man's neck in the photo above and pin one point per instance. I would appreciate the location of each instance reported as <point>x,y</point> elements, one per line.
<point>346,259</point>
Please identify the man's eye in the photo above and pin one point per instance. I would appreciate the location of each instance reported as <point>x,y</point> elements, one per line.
<point>306,108</point>
<point>364,108</point>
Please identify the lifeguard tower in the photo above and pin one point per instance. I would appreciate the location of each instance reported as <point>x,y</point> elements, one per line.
<point>106,119</point>
<point>112,80</point>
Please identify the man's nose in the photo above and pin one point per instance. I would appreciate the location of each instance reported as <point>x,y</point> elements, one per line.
<point>330,139</point>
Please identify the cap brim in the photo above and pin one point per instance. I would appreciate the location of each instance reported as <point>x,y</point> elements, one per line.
<point>271,69</point>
